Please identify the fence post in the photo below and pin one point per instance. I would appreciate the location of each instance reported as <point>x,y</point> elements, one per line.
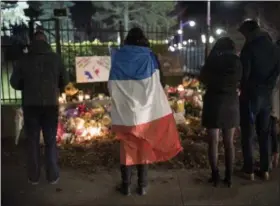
<point>31,29</point>
<point>121,33</point>
<point>57,36</point>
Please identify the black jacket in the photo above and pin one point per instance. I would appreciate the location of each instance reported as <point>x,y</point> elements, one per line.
<point>39,74</point>
<point>221,76</point>
<point>261,64</point>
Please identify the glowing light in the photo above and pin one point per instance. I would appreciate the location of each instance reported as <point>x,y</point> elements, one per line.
<point>171,48</point>
<point>175,45</point>
<point>203,38</point>
<point>166,41</point>
<point>180,88</point>
<point>219,31</point>
<point>184,42</point>
<point>211,39</point>
<point>192,23</point>
<point>180,46</point>
<point>119,40</point>
<point>94,131</point>
<point>180,31</point>
<point>81,97</point>
<point>100,96</point>
<point>190,40</point>
<point>60,100</point>
<point>87,97</point>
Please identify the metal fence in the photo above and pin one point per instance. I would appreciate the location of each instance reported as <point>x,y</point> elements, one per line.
<point>70,42</point>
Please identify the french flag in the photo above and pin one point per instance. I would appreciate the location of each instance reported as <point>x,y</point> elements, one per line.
<point>141,115</point>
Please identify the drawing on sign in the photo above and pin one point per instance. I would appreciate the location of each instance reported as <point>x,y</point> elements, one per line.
<point>93,69</point>
<point>96,72</point>
<point>88,74</point>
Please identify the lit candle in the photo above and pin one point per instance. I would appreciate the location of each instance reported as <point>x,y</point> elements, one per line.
<point>60,100</point>
<point>87,97</point>
<point>180,88</point>
<point>63,95</point>
<point>81,97</point>
<point>101,96</point>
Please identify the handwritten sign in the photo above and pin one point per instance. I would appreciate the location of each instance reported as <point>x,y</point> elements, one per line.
<point>92,69</point>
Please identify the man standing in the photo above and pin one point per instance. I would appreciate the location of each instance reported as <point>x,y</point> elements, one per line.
<point>39,75</point>
<point>260,60</point>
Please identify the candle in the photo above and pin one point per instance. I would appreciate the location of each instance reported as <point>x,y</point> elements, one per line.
<point>101,96</point>
<point>60,100</point>
<point>63,95</point>
<point>180,106</point>
<point>87,97</point>
<point>80,97</point>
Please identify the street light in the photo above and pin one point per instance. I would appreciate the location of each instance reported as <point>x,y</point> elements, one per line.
<point>171,48</point>
<point>192,23</point>
<point>219,31</point>
<point>210,39</point>
<point>203,38</point>
<point>180,31</point>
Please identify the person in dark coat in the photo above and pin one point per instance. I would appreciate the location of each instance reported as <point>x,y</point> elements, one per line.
<point>260,61</point>
<point>39,75</point>
<point>274,119</point>
<point>221,75</point>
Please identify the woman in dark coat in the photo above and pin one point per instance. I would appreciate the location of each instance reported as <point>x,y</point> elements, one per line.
<point>221,76</point>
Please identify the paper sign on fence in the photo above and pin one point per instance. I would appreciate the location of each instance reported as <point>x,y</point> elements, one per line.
<point>93,69</point>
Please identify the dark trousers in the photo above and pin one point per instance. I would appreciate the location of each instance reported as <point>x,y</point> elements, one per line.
<point>274,135</point>
<point>142,173</point>
<point>255,117</point>
<point>46,119</point>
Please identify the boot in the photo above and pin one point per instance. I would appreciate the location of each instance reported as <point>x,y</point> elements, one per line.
<point>227,180</point>
<point>215,178</point>
<point>124,187</point>
<point>142,171</point>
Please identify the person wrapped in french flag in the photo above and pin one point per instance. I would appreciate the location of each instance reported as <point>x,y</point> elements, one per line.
<point>141,115</point>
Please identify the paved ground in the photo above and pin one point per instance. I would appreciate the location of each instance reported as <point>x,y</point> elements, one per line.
<point>166,188</point>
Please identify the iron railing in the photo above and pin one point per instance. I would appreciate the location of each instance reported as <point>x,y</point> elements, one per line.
<point>95,40</point>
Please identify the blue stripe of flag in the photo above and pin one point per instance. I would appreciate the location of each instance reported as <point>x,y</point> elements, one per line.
<point>132,63</point>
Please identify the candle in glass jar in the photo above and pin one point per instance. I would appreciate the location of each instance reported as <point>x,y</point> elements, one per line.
<point>87,97</point>
<point>80,97</point>
<point>101,96</point>
<point>60,100</point>
<point>63,95</point>
<point>180,106</point>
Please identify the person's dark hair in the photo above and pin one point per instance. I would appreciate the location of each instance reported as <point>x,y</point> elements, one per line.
<point>39,35</point>
<point>136,37</point>
<point>224,44</point>
<point>248,26</point>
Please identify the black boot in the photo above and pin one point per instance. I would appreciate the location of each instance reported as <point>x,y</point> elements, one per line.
<point>227,180</point>
<point>215,178</point>
<point>142,171</point>
<point>124,187</point>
